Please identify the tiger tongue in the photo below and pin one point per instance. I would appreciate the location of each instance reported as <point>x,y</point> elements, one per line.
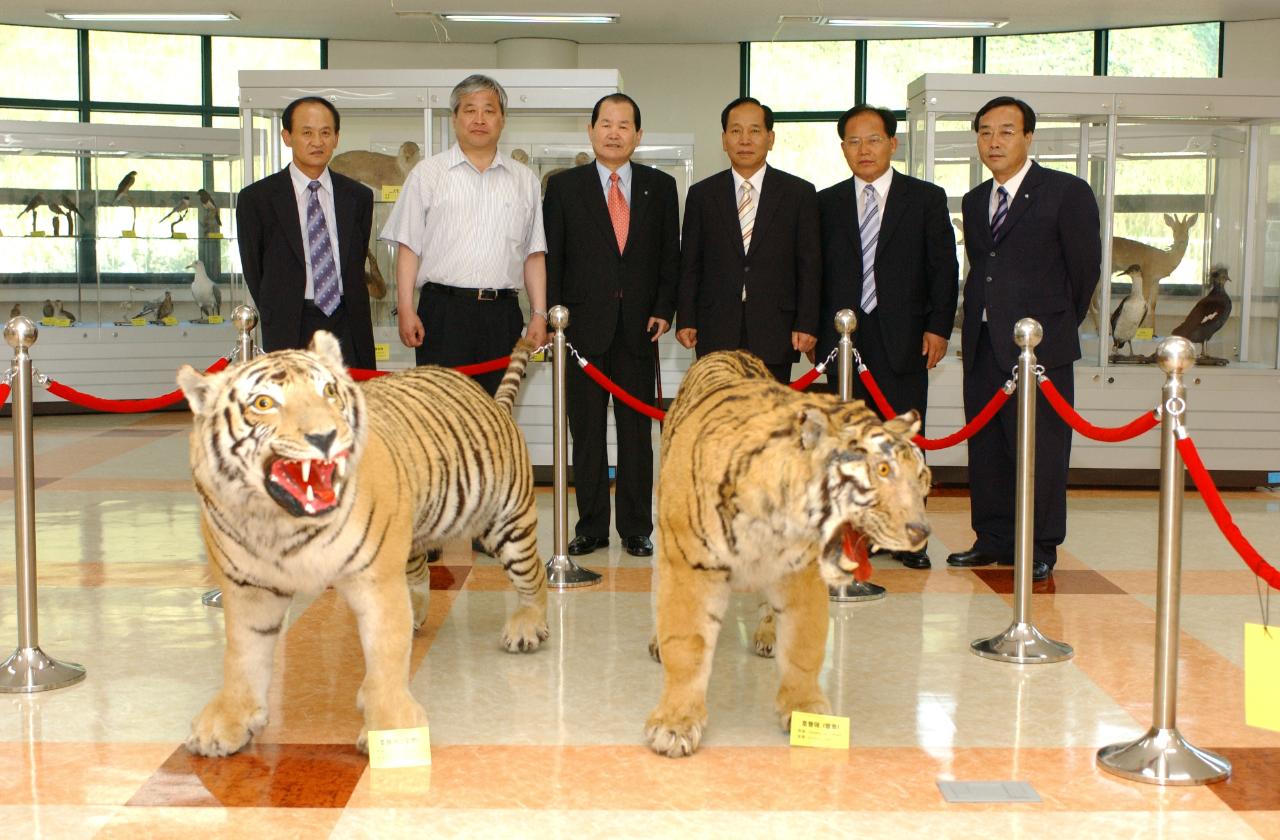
<point>855,548</point>
<point>319,481</point>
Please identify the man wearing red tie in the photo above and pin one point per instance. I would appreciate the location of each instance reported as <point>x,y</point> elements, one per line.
<point>613,258</point>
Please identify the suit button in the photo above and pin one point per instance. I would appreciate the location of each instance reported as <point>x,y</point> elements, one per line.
<point>988,279</point>
<point>993,253</point>
<point>746,269</point>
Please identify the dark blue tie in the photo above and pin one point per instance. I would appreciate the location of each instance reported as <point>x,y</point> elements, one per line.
<point>324,271</point>
<point>1002,210</point>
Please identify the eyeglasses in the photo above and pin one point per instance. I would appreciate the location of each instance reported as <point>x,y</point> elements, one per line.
<point>875,141</point>
<point>1003,134</point>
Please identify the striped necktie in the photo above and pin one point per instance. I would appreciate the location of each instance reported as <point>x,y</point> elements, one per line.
<point>324,271</point>
<point>1002,211</point>
<point>870,230</point>
<point>747,221</point>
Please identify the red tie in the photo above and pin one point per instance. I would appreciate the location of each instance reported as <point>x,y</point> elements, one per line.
<point>619,213</point>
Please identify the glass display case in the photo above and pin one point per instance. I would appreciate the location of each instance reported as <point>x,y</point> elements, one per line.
<point>1187,177</point>
<point>120,242</point>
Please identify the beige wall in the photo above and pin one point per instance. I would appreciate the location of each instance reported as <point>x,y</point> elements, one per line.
<point>1249,50</point>
<point>384,55</point>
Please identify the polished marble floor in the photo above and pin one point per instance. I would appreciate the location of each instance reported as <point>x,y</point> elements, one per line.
<point>549,745</point>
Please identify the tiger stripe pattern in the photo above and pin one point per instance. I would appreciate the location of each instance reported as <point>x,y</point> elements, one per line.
<point>308,480</point>
<point>765,488</point>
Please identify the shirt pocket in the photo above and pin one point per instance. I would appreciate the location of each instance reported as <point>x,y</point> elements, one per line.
<point>516,225</point>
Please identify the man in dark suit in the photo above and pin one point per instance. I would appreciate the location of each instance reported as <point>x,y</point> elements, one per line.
<point>889,254</point>
<point>299,283</point>
<point>613,258</point>
<point>751,265</point>
<point>1032,237</point>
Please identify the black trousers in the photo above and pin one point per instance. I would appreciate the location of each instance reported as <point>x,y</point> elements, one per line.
<point>993,459</point>
<point>904,391</point>
<point>465,331</point>
<point>313,320</point>
<point>587,407</point>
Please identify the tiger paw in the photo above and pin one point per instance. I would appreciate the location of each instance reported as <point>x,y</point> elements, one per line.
<point>398,712</point>
<point>817,706</point>
<point>766,636</point>
<point>224,727</point>
<point>420,602</point>
<point>526,629</point>
<point>674,735</point>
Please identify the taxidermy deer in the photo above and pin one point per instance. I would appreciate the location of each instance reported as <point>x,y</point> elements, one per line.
<point>1155,263</point>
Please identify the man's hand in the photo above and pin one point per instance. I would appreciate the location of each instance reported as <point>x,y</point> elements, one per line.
<point>687,337</point>
<point>656,327</point>
<point>411,331</point>
<point>537,330</point>
<point>803,341</point>
<point>934,347</point>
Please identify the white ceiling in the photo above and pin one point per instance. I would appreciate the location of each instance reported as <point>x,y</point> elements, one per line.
<point>650,21</point>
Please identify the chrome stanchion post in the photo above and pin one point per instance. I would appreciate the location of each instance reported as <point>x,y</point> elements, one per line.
<point>562,572</point>
<point>245,319</point>
<point>1022,643</point>
<point>846,323</point>
<point>1163,756</point>
<point>28,668</point>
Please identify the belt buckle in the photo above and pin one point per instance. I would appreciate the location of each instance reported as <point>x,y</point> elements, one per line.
<point>486,294</point>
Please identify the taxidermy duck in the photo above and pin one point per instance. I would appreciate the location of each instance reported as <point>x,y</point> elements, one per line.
<point>1127,317</point>
<point>1208,316</point>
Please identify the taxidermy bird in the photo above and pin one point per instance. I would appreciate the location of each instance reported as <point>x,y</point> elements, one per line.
<point>206,293</point>
<point>32,204</point>
<point>165,309</point>
<point>69,202</point>
<point>60,312</point>
<point>1208,316</point>
<point>58,211</point>
<point>48,308</point>
<point>180,210</point>
<point>150,308</point>
<point>215,214</point>
<point>126,183</point>
<point>1129,314</point>
<point>16,311</point>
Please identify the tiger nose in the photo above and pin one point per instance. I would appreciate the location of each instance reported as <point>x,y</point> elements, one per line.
<point>918,532</point>
<point>323,442</point>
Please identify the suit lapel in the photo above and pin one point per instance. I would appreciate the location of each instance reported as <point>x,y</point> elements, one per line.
<point>848,221</point>
<point>1019,203</point>
<point>893,211</point>
<point>982,195</point>
<point>286,206</point>
<point>639,199</point>
<point>770,198</point>
<point>345,207</point>
<point>726,198</point>
<point>597,206</point>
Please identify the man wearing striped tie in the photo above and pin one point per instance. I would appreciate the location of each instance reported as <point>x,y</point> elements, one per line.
<point>889,254</point>
<point>1034,248</point>
<point>751,261</point>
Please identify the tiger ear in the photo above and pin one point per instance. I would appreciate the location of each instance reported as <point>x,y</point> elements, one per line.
<point>196,387</point>
<point>813,425</point>
<point>904,425</point>
<point>325,345</point>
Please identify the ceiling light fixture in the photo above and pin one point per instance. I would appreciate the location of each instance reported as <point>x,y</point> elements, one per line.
<point>144,17</point>
<point>900,23</point>
<point>498,17</point>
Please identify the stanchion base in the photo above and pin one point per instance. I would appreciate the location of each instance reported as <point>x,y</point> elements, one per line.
<point>852,593</point>
<point>1022,644</point>
<point>1163,757</point>
<point>30,669</point>
<point>212,598</point>
<point>563,573</point>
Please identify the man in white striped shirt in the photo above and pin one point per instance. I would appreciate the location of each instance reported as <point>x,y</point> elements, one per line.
<point>469,228</point>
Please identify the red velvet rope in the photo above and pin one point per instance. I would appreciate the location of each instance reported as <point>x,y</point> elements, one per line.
<point>607,384</point>
<point>361,374</point>
<point>123,406</point>
<point>1107,434</point>
<point>806,380</point>
<point>4,394</point>
<point>1222,516</point>
<point>965,432</point>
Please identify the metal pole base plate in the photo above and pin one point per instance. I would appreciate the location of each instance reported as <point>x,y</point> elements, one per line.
<point>1163,757</point>
<point>851,593</point>
<point>1022,644</point>
<point>563,573</point>
<point>212,598</point>
<point>30,669</point>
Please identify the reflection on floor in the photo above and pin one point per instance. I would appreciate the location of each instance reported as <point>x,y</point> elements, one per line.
<point>549,744</point>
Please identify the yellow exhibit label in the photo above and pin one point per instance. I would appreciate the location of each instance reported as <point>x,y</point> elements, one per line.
<point>213,319</point>
<point>129,234</point>
<point>177,234</point>
<point>390,193</point>
<point>36,233</point>
<point>214,235</point>
<point>169,321</point>
<point>55,322</point>
<point>390,748</point>
<point>138,322</point>
<point>1262,676</point>
<point>381,352</point>
<point>827,731</point>
<point>1144,334</point>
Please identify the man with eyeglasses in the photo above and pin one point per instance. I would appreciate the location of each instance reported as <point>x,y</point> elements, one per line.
<point>889,254</point>
<point>1034,248</point>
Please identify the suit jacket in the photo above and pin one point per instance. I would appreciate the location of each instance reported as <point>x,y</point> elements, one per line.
<point>916,274</point>
<point>275,268</point>
<point>782,271</point>
<point>1045,265</point>
<point>585,270</point>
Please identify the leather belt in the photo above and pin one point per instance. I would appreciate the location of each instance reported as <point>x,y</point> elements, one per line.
<point>473,294</point>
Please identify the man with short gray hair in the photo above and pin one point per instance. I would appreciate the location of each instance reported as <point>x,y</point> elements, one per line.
<point>468,224</point>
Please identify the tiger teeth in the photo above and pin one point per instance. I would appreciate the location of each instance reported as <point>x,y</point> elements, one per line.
<point>337,489</point>
<point>310,508</point>
<point>342,466</point>
<point>311,494</point>
<point>306,473</point>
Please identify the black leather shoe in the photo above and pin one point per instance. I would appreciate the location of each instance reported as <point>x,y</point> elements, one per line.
<point>912,559</point>
<point>583,544</point>
<point>972,557</point>
<point>1040,570</point>
<point>637,546</point>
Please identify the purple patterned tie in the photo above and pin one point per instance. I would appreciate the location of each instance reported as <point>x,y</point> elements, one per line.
<point>324,271</point>
<point>1002,210</point>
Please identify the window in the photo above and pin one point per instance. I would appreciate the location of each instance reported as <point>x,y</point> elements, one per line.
<point>1050,54</point>
<point>145,68</point>
<point>804,75</point>
<point>231,55</point>
<point>23,48</point>
<point>810,150</point>
<point>1165,51</point>
<point>892,65</point>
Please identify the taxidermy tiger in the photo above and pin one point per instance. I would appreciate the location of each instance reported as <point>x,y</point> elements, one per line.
<point>307,480</point>
<point>765,488</point>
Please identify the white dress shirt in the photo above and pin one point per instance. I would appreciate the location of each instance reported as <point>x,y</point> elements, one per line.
<point>624,180</point>
<point>302,193</point>
<point>880,185</point>
<point>1010,186</point>
<point>757,182</point>
<point>470,229</point>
